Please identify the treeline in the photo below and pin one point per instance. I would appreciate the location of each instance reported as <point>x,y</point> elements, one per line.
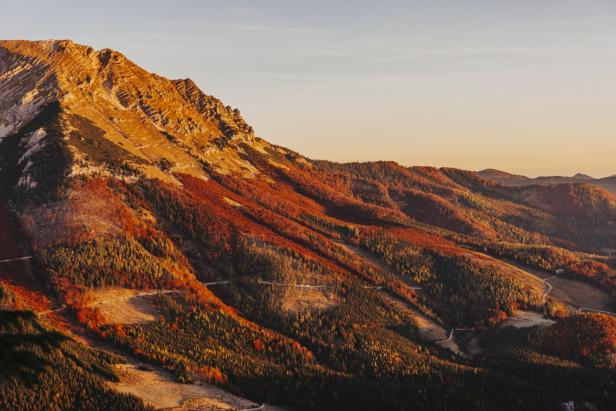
<point>316,185</point>
<point>202,215</point>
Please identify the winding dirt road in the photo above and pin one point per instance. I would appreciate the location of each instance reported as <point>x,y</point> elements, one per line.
<point>429,329</point>
<point>576,294</point>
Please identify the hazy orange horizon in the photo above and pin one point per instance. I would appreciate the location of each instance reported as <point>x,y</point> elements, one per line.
<point>526,87</point>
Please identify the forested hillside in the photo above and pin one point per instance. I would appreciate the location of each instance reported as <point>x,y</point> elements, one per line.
<point>159,230</point>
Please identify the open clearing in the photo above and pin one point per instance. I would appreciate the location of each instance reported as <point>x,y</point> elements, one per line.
<point>308,299</point>
<point>123,306</point>
<point>524,319</point>
<point>577,294</point>
<point>154,385</point>
<point>428,328</point>
<point>158,389</point>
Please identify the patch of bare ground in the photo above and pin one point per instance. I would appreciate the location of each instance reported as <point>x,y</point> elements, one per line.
<point>308,299</point>
<point>576,294</point>
<point>158,389</point>
<point>232,202</point>
<point>525,319</point>
<point>429,329</point>
<point>81,215</point>
<point>154,385</point>
<point>123,306</point>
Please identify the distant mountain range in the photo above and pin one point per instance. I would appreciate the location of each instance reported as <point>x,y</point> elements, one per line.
<point>507,179</point>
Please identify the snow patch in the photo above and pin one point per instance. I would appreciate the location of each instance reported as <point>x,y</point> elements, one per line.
<point>33,143</point>
<point>19,114</point>
<point>5,130</point>
<point>27,182</point>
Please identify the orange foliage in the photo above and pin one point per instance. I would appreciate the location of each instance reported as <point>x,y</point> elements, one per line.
<point>211,374</point>
<point>91,318</point>
<point>423,239</point>
<point>497,318</point>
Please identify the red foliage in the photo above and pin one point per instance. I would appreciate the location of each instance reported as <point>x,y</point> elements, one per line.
<point>588,338</point>
<point>258,344</point>
<point>254,220</point>
<point>424,239</point>
<point>435,210</point>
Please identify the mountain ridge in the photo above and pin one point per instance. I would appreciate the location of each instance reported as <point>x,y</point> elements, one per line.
<point>141,112</point>
<point>502,177</point>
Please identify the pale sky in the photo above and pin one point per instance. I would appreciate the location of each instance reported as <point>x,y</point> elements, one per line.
<point>527,86</point>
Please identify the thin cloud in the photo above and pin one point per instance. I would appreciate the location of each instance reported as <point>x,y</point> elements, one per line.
<point>255,28</point>
<point>273,29</point>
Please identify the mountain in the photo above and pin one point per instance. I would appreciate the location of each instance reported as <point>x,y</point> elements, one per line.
<point>504,178</point>
<point>175,259</point>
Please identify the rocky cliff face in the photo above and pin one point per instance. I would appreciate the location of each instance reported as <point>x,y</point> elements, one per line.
<point>159,125</point>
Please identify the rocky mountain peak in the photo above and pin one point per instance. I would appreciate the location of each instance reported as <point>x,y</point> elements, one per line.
<point>107,77</point>
<point>107,100</point>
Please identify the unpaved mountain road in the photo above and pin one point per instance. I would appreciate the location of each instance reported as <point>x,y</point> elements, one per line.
<point>12,260</point>
<point>576,294</point>
<point>433,331</point>
<point>152,384</point>
<point>428,328</point>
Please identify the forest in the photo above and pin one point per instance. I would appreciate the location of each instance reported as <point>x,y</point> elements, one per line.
<point>44,370</point>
